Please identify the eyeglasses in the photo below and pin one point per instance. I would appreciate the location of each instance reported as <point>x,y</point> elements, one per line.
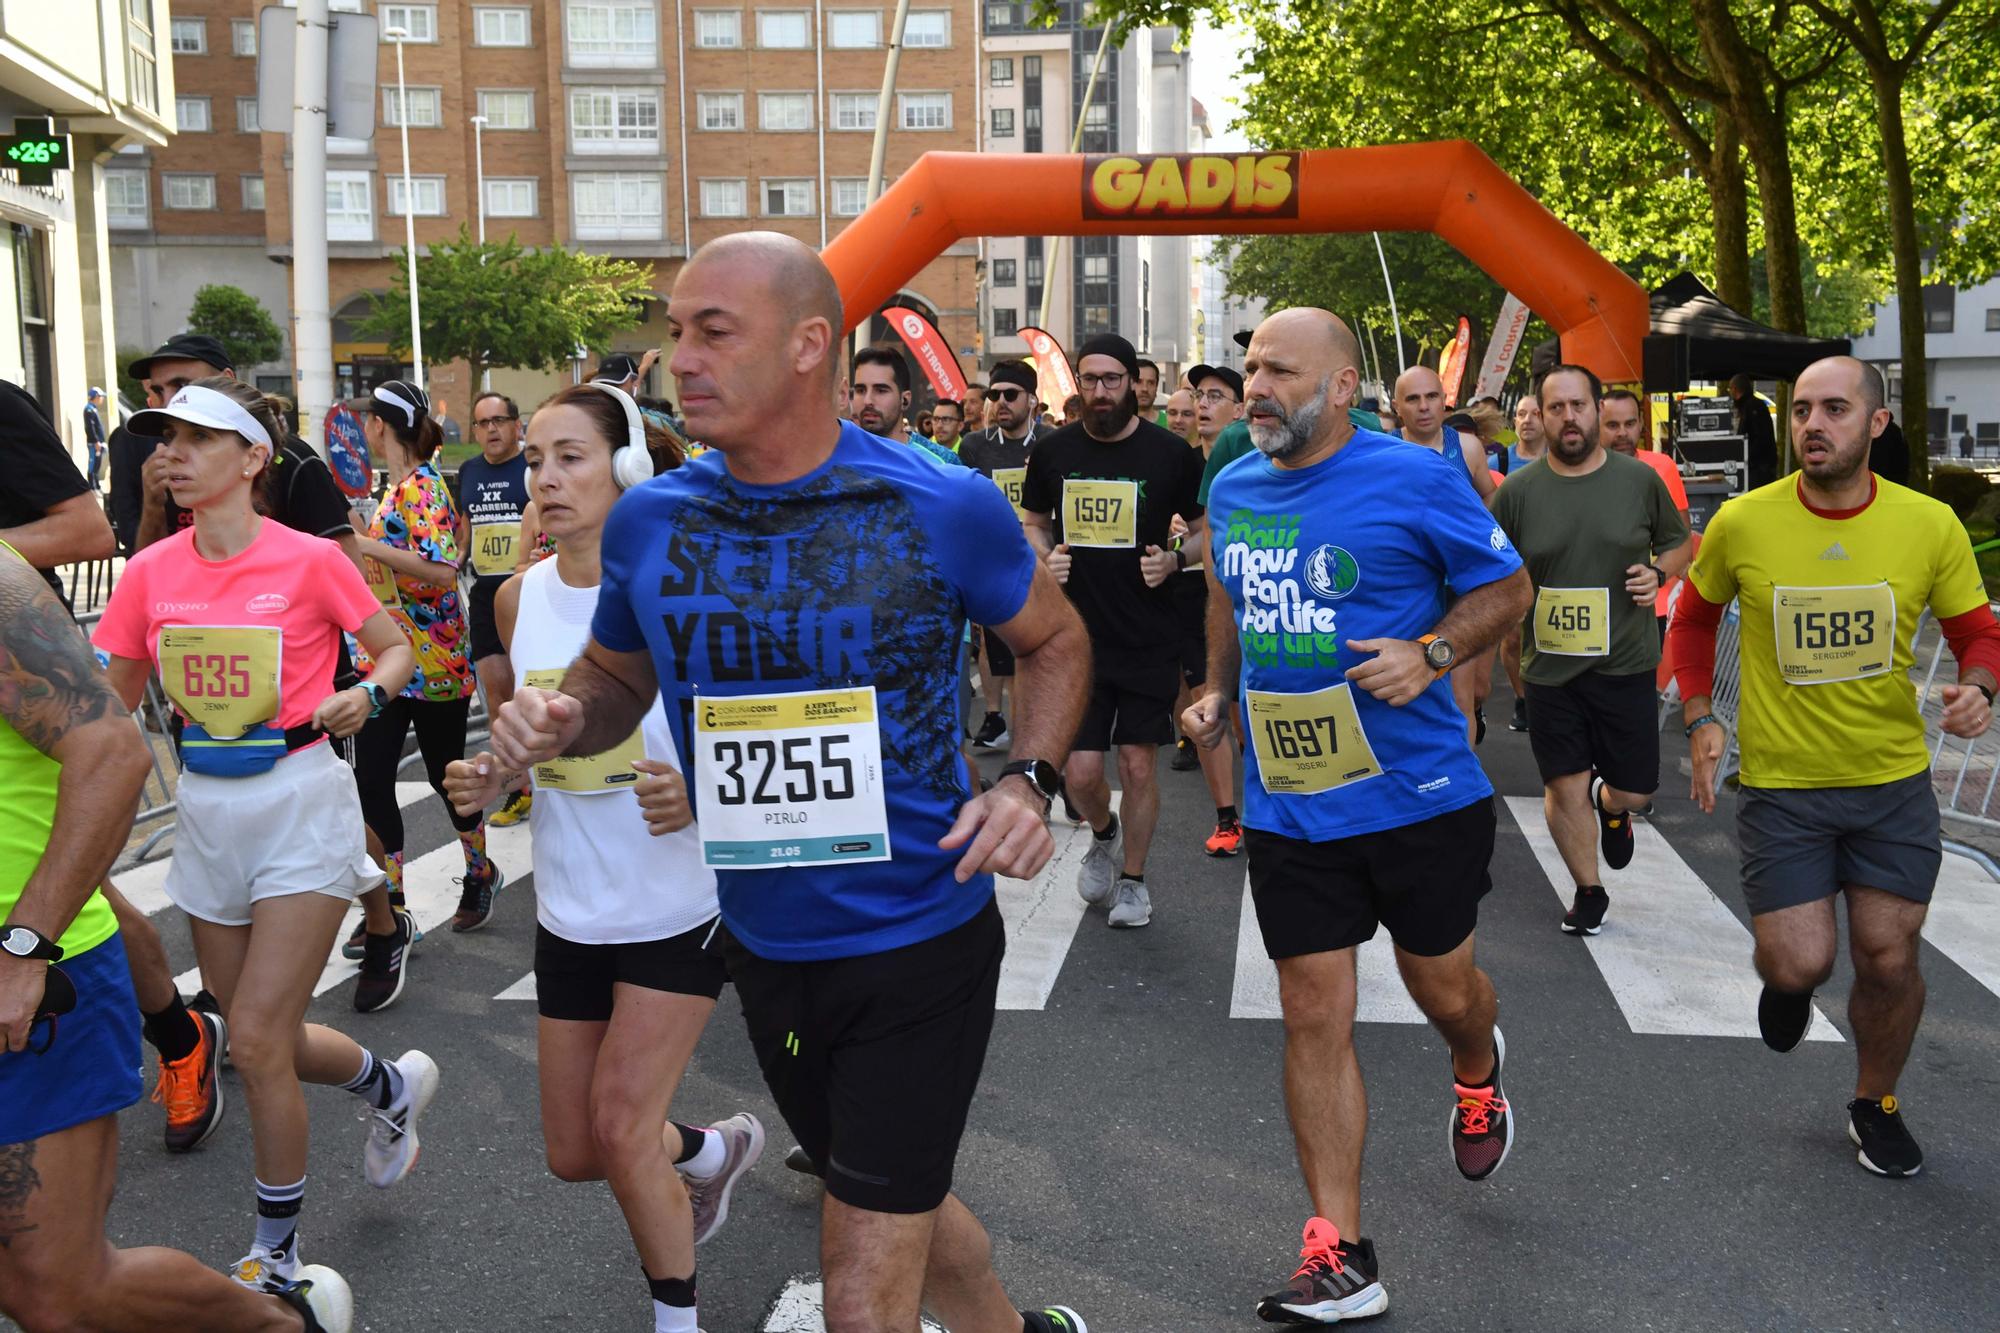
<point>1005,395</point>
<point>1215,396</point>
<point>1102,381</point>
<point>483,422</point>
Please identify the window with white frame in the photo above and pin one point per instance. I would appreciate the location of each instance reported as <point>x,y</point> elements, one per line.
<point>246,115</point>
<point>784,111</point>
<point>1096,118</point>
<point>722,198</point>
<point>187,190</point>
<point>350,206</point>
<point>1000,72</point>
<point>924,111</point>
<point>850,196</point>
<point>1003,272</point>
<point>614,120</point>
<point>613,34</point>
<point>853,111</point>
<point>1003,122</point>
<point>507,109</point>
<point>190,37</point>
<point>854,28</point>
<point>191,114</point>
<point>615,206</point>
<point>426,107</point>
<point>510,196</point>
<point>927,27</point>
<point>243,37</point>
<point>788,198</point>
<point>428,191</point>
<point>495,25</point>
<point>418,22</point>
<point>125,198</point>
<point>719,111</point>
<point>253,193</point>
<point>784,29</point>
<point>718,29</point>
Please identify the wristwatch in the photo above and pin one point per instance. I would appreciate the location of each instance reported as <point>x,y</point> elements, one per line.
<point>377,696</point>
<point>1045,776</point>
<point>1438,653</point>
<point>27,942</point>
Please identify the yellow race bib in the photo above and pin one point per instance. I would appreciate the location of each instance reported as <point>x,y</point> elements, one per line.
<point>1573,622</point>
<point>1309,743</point>
<point>381,581</point>
<point>1825,635</point>
<point>1100,513</point>
<point>1010,480</point>
<point>495,547</point>
<point>223,678</point>
<point>588,775</point>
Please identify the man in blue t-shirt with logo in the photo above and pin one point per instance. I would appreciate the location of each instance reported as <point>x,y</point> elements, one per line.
<point>797,596</point>
<point>1332,551</point>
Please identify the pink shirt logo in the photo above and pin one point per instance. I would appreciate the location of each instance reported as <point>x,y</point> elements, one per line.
<point>177,608</point>
<point>268,604</point>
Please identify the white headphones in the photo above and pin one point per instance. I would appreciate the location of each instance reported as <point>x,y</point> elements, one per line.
<point>631,462</point>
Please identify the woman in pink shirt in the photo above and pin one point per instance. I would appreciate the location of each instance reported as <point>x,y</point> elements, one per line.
<point>240,615</point>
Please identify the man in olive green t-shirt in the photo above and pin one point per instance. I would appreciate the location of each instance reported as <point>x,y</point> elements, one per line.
<point>1599,534</point>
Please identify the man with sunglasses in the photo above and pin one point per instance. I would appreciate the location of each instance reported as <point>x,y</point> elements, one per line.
<point>1001,452</point>
<point>492,495</point>
<point>71,766</point>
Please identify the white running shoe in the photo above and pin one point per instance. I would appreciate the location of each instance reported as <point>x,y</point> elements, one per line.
<point>322,1299</point>
<point>1132,905</point>
<point>743,1143</point>
<point>267,1270</point>
<point>392,1134</point>
<point>1098,875</point>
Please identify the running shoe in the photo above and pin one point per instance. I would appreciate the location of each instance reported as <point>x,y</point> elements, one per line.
<point>1482,1124</point>
<point>1336,1280</point>
<point>204,1002</point>
<point>356,947</point>
<point>1053,1319</point>
<point>1186,758</point>
<point>1782,1018</point>
<point>1520,721</point>
<point>1478,725</point>
<point>268,1270</point>
<point>1227,840</point>
<point>385,966</point>
<point>475,899</point>
<point>514,810</point>
<point>1097,877</point>
<point>1586,911</point>
<point>799,1160</point>
<point>743,1143</point>
<point>320,1297</point>
<point>191,1087</point>
<point>1618,840</point>
<point>1131,904</point>
<point>1882,1140</point>
<point>992,733</point>
<point>392,1134</point>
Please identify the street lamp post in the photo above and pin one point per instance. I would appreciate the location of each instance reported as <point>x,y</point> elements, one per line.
<point>398,36</point>
<point>479,169</point>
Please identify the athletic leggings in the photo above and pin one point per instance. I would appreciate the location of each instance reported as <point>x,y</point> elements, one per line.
<point>378,747</point>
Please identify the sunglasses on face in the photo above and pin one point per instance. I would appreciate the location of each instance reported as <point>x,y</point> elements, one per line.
<point>1004,395</point>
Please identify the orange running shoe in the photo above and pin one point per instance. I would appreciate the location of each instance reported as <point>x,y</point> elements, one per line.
<point>1227,840</point>
<point>190,1088</point>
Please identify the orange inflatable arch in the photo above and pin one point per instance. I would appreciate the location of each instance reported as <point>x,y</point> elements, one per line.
<point>1449,188</point>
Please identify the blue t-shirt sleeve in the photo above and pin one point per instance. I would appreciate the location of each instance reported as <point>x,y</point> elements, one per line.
<point>613,623</point>
<point>1466,540</point>
<point>986,555</point>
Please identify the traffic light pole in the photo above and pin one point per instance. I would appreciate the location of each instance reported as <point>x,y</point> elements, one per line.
<point>312,314</point>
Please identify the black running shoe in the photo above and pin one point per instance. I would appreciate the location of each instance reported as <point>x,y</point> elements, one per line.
<point>1478,726</point>
<point>384,967</point>
<point>1586,911</point>
<point>799,1160</point>
<point>1482,1123</point>
<point>1520,722</point>
<point>1186,758</point>
<point>475,899</point>
<point>1053,1319</point>
<point>1783,1018</point>
<point>1883,1140</point>
<point>992,733</point>
<point>1618,839</point>
<point>1336,1280</point>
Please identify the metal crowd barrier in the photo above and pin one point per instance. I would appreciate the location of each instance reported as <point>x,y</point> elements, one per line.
<point>1726,696</point>
<point>152,718</point>
<point>1964,773</point>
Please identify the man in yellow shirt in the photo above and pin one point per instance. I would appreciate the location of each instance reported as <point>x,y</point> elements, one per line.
<point>1830,570</point>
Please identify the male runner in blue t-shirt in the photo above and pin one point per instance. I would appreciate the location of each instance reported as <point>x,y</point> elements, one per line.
<point>1332,550</point>
<point>797,596</point>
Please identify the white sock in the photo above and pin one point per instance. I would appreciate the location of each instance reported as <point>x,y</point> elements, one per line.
<point>674,1318</point>
<point>708,1161</point>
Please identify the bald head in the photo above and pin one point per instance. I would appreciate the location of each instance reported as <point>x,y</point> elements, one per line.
<point>1420,405</point>
<point>787,271</point>
<point>1334,343</point>
<point>1855,378</point>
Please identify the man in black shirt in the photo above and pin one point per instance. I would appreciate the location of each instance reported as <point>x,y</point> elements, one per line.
<point>1754,420</point>
<point>1001,452</point>
<point>48,512</point>
<point>1098,502</point>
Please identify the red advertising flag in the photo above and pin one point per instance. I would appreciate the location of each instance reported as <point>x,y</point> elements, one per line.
<point>933,354</point>
<point>1451,365</point>
<point>1057,381</point>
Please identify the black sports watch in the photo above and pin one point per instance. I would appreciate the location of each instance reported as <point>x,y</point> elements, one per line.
<point>377,696</point>
<point>27,942</point>
<point>1045,776</point>
<point>1438,653</point>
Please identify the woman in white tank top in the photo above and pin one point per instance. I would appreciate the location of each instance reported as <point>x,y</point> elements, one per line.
<point>623,983</point>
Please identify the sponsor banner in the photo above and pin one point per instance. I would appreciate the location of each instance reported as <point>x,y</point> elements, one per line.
<point>1451,365</point>
<point>1247,185</point>
<point>1054,378</point>
<point>932,353</point>
<point>1508,330</point>
<point>347,452</point>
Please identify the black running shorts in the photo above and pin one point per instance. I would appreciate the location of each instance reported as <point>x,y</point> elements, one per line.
<point>484,637</point>
<point>995,657</point>
<point>1607,723</point>
<point>1191,611</point>
<point>873,1060</point>
<point>1131,703</point>
<point>573,981</point>
<point>1423,881</point>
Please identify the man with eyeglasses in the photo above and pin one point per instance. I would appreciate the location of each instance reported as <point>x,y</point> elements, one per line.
<point>1099,502</point>
<point>1001,452</point>
<point>492,496</point>
<point>947,424</point>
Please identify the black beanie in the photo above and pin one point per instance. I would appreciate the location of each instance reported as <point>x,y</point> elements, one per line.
<point>1113,346</point>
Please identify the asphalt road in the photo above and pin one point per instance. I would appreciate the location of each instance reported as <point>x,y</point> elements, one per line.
<point>1129,1149</point>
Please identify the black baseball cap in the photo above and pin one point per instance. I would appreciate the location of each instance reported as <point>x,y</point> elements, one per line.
<point>1223,373</point>
<point>1243,339</point>
<point>185,347</point>
<point>618,367</point>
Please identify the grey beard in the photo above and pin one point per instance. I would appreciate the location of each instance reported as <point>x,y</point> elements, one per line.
<point>1292,430</point>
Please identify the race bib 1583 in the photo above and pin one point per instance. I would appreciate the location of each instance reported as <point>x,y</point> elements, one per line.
<point>1832,634</point>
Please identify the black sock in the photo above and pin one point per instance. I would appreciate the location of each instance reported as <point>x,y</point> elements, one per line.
<point>172,1031</point>
<point>1110,831</point>
<point>1225,814</point>
<point>692,1140</point>
<point>1136,879</point>
<point>675,1291</point>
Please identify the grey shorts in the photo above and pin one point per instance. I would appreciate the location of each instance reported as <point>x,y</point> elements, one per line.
<point>1801,845</point>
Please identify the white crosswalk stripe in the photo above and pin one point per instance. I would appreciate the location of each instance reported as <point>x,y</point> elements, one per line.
<point>799,1306</point>
<point>1964,920</point>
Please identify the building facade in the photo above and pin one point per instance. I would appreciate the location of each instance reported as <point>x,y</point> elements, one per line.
<point>634,128</point>
<point>1962,343</point>
<point>101,73</point>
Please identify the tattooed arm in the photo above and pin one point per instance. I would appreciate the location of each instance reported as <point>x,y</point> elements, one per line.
<point>55,698</point>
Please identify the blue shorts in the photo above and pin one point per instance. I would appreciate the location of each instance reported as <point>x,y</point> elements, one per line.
<point>93,1068</point>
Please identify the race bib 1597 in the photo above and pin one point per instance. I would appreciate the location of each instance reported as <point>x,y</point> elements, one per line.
<point>1100,513</point>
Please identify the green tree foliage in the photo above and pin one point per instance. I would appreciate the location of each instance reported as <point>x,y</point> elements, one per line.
<point>502,304</point>
<point>239,322</point>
